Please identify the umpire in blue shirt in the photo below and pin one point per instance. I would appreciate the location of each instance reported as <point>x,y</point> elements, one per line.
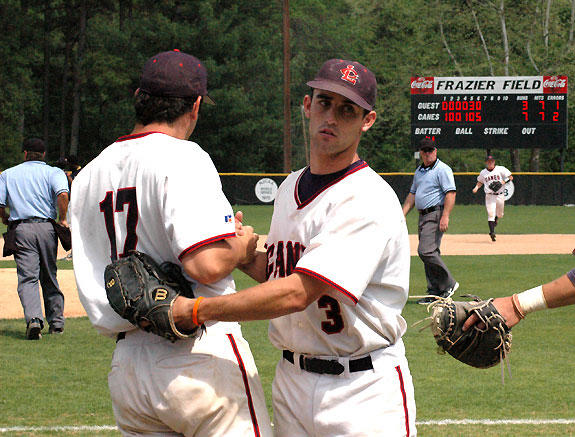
<point>433,194</point>
<point>36,195</point>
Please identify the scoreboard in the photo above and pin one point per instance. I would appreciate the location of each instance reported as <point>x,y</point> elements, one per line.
<point>490,112</point>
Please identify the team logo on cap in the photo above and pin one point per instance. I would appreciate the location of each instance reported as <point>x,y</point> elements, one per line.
<point>349,74</point>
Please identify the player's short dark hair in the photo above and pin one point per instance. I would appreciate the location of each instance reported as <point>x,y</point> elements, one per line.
<point>150,109</point>
<point>34,156</point>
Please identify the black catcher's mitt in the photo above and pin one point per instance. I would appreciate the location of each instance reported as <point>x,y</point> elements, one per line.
<point>483,345</point>
<point>495,186</point>
<point>143,292</point>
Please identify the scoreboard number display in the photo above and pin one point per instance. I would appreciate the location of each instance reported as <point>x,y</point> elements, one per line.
<point>490,112</point>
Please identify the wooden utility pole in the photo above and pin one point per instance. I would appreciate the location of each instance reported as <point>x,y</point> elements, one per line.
<point>287,106</point>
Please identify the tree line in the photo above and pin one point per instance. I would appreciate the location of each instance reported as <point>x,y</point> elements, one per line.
<point>69,69</point>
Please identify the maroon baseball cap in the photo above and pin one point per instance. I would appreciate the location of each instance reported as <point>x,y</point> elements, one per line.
<point>349,79</point>
<point>489,157</point>
<point>175,74</point>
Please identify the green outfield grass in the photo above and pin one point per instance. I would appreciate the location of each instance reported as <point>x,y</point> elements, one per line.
<point>62,381</point>
<point>465,219</point>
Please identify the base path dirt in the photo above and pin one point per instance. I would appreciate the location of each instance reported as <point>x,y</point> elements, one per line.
<point>457,244</point>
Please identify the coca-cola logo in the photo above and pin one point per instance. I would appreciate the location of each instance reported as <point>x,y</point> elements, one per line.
<point>422,85</point>
<point>555,82</point>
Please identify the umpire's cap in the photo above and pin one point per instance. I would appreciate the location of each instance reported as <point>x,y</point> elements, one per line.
<point>175,74</point>
<point>349,79</point>
<point>34,145</point>
<point>426,143</point>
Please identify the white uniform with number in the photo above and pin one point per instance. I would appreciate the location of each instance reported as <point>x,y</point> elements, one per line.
<point>494,201</point>
<point>352,236</point>
<point>162,196</point>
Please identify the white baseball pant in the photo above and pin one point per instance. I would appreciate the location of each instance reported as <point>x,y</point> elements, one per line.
<point>203,387</point>
<point>495,204</point>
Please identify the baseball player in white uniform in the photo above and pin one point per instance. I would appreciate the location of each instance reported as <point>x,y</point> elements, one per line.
<point>494,200</point>
<point>156,192</point>
<point>335,278</point>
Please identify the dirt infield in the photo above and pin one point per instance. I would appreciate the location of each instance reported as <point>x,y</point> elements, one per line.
<point>460,244</point>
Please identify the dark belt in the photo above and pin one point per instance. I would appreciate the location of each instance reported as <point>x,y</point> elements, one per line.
<point>34,220</point>
<point>430,209</point>
<point>120,336</point>
<point>331,367</point>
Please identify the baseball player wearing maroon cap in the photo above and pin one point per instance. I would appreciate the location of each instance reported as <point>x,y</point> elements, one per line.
<point>494,199</point>
<point>143,192</point>
<point>335,278</point>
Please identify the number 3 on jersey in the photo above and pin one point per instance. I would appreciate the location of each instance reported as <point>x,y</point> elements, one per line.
<point>124,196</point>
<point>334,324</point>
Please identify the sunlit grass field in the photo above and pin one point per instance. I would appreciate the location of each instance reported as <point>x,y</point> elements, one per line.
<point>49,387</point>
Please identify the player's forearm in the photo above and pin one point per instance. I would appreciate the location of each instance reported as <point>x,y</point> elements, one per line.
<point>557,293</point>
<point>264,301</point>
<point>257,268</point>
<point>560,292</point>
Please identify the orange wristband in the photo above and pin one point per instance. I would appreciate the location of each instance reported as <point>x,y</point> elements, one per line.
<point>195,311</point>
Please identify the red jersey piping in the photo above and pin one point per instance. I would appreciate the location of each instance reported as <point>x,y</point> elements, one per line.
<point>327,281</point>
<point>135,136</point>
<point>246,385</point>
<point>204,242</point>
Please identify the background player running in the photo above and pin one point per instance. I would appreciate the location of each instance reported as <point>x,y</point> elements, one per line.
<point>494,199</point>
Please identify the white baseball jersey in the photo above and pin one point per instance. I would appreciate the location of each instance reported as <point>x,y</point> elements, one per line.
<point>151,192</point>
<point>499,173</point>
<point>351,235</point>
<point>162,196</point>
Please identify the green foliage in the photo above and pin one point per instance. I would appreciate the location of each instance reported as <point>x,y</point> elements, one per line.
<point>257,216</point>
<point>241,43</point>
<point>64,377</point>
